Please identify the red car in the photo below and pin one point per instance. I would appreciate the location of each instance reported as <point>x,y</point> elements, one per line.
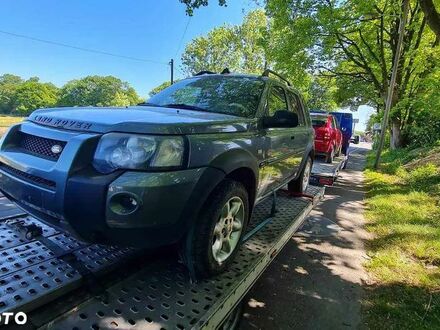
<point>328,136</point>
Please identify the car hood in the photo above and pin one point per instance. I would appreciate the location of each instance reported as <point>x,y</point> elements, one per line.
<point>139,119</point>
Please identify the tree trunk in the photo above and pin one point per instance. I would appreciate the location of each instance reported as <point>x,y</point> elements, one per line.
<point>432,17</point>
<point>396,140</point>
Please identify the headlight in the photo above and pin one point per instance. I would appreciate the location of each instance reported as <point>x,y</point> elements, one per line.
<point>138,152</point>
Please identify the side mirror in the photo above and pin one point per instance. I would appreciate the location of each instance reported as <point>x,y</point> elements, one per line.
<point>281,118</point>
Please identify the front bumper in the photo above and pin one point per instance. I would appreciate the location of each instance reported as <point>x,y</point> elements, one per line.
<point>167,205</point>
<point>70,195</point>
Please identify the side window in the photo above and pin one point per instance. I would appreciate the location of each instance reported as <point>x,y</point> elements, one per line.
<point>276,100</point>
<point>296,106</point>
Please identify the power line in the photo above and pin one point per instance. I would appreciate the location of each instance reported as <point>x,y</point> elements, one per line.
<point>183,36</point>
<point>89,50</point>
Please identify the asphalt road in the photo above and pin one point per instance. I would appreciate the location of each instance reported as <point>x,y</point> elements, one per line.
<point>316,280</point>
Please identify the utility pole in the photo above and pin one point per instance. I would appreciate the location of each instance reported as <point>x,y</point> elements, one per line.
<point>392,81</point>
<point>172,70</point>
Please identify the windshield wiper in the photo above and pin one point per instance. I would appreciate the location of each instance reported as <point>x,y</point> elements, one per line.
<point>184,106</point>
<point>150,104</point>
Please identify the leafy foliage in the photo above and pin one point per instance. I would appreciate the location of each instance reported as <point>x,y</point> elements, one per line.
<point>32,95</point>
<point>8,86</point>
<point>21,97</point>
<point>354,42</point>
<point>97,91</point>
<point>194,4</point>
<point>239,48</point>
<point>159,88</point>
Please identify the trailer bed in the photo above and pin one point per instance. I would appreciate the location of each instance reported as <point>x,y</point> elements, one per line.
<point>63,283</point>
<point>327,174</point>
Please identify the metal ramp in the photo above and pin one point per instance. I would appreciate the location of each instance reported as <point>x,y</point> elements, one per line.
<point>158,295</point>
<point>326,174</point>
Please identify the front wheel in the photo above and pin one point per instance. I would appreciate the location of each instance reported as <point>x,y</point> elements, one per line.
<point>300,184</point>
<point>216,235</point>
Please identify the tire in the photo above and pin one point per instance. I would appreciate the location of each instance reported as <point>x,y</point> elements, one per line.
<point>338,152</point>
<point>330,156</point>
<point>300,184</point>
<point>208,233</point>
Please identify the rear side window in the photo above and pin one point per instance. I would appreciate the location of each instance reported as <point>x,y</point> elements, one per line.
<point>318,121</point>
<point>296,106</point>
<point>277,100</point>
<point>334,122</point>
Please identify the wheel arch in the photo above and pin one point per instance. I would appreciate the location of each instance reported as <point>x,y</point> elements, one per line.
<point>242,166</point>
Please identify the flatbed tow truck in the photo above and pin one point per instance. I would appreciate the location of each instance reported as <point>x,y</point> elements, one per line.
<point>327,174</point>
<point>62,283</point>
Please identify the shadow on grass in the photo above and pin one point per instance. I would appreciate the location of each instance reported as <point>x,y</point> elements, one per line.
<point>397,306</point>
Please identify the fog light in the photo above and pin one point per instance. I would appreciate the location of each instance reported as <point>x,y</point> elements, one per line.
<point>124,203</point>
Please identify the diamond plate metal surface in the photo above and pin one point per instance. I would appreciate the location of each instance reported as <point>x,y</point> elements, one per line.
<point>161,295</point>
<point>31,274</point>
<point>33,283</point>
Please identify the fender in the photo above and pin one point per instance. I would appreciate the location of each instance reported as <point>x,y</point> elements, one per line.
<point>235,159</point>
<point>217,170</point>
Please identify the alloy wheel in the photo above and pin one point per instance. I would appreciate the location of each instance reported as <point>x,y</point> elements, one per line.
<point>227,230</point>
<point>306,174</point>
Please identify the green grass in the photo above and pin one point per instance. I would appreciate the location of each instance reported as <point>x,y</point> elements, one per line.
<point>6,121</point>
<point>403,213</point>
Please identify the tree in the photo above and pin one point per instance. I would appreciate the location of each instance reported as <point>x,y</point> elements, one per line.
<point>194,4</point>
<point>32,94</point>
<point>8,86</point>
<point>354,41</point>
<point>216,51</point>
<point>98,91</point>
<point>432,16</point>
<point>160,88</point>
<point>239,48</point>
<point>320,95</point>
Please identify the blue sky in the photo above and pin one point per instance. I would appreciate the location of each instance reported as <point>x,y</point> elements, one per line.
<point>143,29</point>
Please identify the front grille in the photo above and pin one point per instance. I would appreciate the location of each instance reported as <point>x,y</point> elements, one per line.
<point>28,177</point>
<point>40,146</point>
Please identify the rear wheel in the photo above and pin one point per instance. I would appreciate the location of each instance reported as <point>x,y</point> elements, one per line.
<point>330,156</point>
<point>338,152</point>
<point>216,236</point>
<point>300,184</point>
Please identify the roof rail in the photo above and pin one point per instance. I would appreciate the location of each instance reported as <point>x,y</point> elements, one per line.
<point>269,71</point>
<point>204,72</point>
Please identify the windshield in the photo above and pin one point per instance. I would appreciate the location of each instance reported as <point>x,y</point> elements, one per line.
<point>237,96</point>
<point>318,121</point>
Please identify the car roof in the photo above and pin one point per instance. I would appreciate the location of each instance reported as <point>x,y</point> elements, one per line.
<point>226,75</point>
<point>246,75</point>
<point>321,114</point>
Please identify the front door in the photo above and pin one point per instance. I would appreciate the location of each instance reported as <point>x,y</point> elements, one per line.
<point>280,158</point>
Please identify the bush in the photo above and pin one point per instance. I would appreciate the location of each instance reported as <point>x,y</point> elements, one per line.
<point>423,177</point>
